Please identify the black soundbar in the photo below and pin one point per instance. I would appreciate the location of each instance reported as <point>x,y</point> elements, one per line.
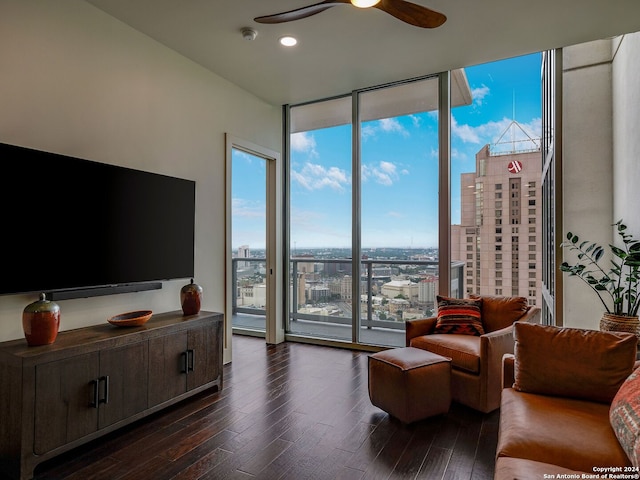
<point>100,291</point>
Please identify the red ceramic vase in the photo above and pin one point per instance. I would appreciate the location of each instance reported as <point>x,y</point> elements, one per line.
<point>191,298</point>
<point>41,322</point>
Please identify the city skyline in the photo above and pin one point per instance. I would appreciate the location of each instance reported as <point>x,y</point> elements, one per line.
<point>398,171</point>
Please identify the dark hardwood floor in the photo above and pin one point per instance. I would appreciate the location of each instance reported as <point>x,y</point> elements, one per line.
<point>291,411</point>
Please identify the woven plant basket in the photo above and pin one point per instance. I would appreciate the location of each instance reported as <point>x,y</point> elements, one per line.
<point>620,323</point>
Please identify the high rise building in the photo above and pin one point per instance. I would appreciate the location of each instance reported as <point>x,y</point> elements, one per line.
<point>499,234</point>
<point>243,252</point>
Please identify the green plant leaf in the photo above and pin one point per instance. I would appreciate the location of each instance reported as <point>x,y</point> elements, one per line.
<point>598,252</point>
<point>618,252</point>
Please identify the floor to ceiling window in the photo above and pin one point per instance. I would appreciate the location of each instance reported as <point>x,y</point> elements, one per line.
<point>391,187</point>
<point>320,218</point>
<point>496,189</point>
<point>398,208</point>
<point>363,213</point>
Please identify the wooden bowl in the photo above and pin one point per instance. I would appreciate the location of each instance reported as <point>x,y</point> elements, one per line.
<point>131,319</point>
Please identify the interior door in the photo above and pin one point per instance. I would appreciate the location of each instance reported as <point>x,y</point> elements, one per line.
<point>263,284</point>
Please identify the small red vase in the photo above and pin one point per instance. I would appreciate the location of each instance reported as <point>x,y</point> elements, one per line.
<point>191,298</point>
<point>41,322</point>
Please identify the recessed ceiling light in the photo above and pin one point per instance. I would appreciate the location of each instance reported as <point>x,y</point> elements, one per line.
<point>288,41</point>
<point>365,3</point>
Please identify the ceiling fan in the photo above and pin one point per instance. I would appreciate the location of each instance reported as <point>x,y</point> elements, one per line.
<point>401,9</point>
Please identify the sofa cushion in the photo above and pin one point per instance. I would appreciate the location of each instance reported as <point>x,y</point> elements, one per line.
<point>459,315</point>
<point>625,417</point>
<point>499,312</point>
<point>572,362</point>
<point>463,350</point>
<point>567,432</point>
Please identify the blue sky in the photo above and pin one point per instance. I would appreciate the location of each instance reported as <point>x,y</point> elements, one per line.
<point>399,167</point>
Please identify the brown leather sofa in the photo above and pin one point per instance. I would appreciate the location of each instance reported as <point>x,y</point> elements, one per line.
<point>476,361</point>
<point>554,414</point>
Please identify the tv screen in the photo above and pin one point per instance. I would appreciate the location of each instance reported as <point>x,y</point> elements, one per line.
<point>70,224</point>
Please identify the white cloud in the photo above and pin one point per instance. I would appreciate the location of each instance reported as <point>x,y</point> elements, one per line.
<point>303,142</point>
<point>388,167</point>
<point>310,228</point>
<point>385,173</point>
<point>385,125</point>
<point>368,131</point>
<point>466,133</point>
<point>247,209</point>
<point>316,177</point>
<point>243,155</point>
<point>491,132</point>
<point>392,125</point>
<point>478,94</point>
<point>396,214</point>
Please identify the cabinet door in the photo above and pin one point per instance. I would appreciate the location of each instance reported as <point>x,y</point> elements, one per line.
<point>65,391</point>
<point>203,352</point>
<point>123,382</point>
<point>167,367</point>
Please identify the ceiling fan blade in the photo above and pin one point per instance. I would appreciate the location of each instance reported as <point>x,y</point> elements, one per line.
<point>411,13</point>
<point>299,13</point>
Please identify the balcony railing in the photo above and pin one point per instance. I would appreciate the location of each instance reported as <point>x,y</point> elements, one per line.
<point>327,284</point>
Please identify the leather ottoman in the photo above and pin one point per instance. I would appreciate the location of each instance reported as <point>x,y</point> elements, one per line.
<point>409,383</point>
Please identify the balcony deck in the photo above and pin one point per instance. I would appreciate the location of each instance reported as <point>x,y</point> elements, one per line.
<point>325,330</point>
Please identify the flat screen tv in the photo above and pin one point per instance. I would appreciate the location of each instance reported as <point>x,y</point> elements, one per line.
<point>78,228</point>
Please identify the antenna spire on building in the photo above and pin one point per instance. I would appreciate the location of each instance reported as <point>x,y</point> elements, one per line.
<point>521,141</point>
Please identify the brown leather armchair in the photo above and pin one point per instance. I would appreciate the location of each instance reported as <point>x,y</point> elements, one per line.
<point>476,361</point>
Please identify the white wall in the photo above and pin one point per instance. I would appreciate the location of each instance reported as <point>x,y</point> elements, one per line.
<point>626,140</point>
<point>587,165</point>
<point>601,172</point>
<point>75,81</point>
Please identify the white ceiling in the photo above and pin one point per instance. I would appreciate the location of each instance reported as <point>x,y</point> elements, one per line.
<point>346,48</point>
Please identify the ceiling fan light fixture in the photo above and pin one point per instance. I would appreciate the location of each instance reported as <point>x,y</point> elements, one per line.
<point>364,3</point>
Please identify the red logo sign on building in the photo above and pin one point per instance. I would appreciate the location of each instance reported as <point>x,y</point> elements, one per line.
<point>515,166</point>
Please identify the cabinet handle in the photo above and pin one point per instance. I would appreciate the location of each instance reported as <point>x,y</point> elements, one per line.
<point>191,356</point>
<point>105,398</point>
<point>185,362</point>
<point>94,402</point>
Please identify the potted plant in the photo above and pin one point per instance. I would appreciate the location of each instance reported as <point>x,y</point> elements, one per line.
<point>616,287</point>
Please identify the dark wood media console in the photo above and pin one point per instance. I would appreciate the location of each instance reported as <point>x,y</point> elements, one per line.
<point>94,380</point>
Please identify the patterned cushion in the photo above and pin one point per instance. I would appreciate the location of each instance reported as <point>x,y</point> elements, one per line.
<point>625,417</point>
<point>458,315</point>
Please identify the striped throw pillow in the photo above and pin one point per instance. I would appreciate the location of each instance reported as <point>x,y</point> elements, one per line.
<point>459,315</point>
<point>624,415</point>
